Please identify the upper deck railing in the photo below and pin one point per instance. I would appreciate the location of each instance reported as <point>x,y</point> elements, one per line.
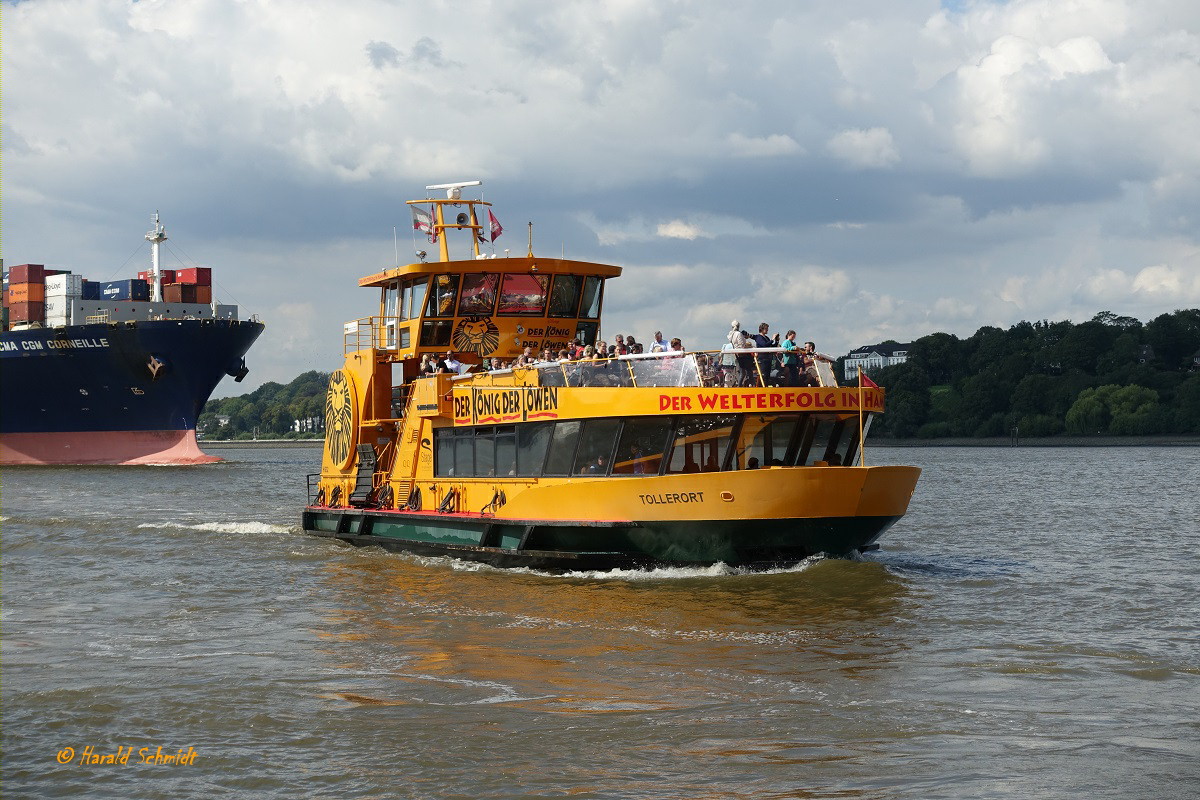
<point>704,368</point>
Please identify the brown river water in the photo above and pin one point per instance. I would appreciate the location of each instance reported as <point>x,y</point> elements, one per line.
<point>1030,629</point>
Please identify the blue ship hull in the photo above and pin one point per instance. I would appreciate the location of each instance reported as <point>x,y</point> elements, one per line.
<point>113,393</point>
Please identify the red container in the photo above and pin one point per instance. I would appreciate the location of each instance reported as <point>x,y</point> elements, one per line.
<point>27,273</point>
<point>168,276</point>
<point>203,294</point>
<point>200,276</point>
<point>26,312</point>
<point>26,292</point>
<point>48,272</point>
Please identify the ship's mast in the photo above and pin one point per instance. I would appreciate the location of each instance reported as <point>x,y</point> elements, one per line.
<point>155,238</point>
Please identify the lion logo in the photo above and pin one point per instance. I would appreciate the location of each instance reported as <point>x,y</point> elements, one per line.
<point>478,335</point>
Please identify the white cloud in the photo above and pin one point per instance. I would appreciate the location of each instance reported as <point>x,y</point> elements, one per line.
<point>872,148</point>
<point>763,147</point>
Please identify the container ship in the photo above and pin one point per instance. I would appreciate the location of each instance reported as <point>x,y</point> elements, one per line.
<point>578,463</point>
<point>113,372</point>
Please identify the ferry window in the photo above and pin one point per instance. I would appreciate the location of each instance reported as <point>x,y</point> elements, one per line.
<point>436,333</point>
<point>564,295</point>
<point>404,337</point>
<point>442,293</point>
<point>506,451</point>
<point>700,444</point>
<point>445,452</point>
<point>596,446</point>
<point>464,453</point>
<point>593,289</point>
<point>585,333</point>
<point>478,294</point>
<point>815,441</point>
<point>523,294</point>
<point>839,440</point>
<point>485,452</point>
<point>533,440</point>
<point>640,450</point>
<point>413,298</point>
<point>391,300</point>
<point>765,439</point>
<point>562,448</point>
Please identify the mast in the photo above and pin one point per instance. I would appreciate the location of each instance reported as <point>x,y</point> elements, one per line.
<point>155,238</point>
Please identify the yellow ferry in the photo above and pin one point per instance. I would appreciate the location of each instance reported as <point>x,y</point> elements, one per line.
<point>636,461</point>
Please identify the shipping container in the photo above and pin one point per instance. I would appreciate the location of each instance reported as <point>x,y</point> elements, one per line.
<point>27,273</point>
<point>201,276</point>
<point>27,312</point>
<point>51,272</point>
<point>26,293</point>
<point>58,305</point>
<point>124,290</point>
<point>168,276</point>
<point>203,294</point>
<point>91,290</point>
<point>58,320</point>
<point>180,293</point>
<point>64,285</point>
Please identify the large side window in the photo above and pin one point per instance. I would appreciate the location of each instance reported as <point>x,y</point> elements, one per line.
<point>594,456</point>
<point>533,439</point>
<point>764,441</point>
<point>564,295</point>
<point>485,452</point>
<point>523,294</point>
<point>443,291</point>
<point>701,443</point>
<point>562,448</point>
<point>643,442</point>
<point>444,454</point>
<point>593,289</point>
<point>815,440</point>
<point>478,294</point>
<point>506,452</point>
<point>464,453</point>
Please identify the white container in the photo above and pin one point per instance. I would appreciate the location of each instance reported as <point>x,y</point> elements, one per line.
<point>58,305</point>
<point>58,320</point>
<point>67,285</point>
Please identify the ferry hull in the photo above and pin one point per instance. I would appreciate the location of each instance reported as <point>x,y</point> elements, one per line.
<point>755,529</point>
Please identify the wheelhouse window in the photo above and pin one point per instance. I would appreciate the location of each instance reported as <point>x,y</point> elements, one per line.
<point>478,294</point>
<point>593,290</point>
<point>443,291</point>
<point>413,298</point>
<point>564,295</point>
<point>524,294</point>
<point>436,332</point>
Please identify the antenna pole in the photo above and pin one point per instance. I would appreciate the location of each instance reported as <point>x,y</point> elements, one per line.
<point>155,238</point>
<point>396,244</point>
<point>530,240</point>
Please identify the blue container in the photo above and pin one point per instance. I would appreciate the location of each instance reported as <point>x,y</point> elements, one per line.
<point>91,290</point>
<point>125,290</point>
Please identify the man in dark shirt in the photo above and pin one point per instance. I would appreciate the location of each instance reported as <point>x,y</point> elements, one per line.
<point>765,360</point>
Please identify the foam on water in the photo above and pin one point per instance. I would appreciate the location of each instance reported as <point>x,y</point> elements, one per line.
<point>222,527</point>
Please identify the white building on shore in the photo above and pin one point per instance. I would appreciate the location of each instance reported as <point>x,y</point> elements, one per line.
<point>874,356</point>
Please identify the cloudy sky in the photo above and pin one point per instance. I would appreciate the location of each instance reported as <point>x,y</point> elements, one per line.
<point>860,171</point>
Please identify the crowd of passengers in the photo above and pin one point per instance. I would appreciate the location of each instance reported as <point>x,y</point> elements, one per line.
<point>795,366</point>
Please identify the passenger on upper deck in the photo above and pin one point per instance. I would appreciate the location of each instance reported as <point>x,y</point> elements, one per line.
<point>791,360</point>
<point>676,345</point>
<point>428,365</point>
<point>526,358</point>
<point>658,345</point>
<point>765,360</point>
<point>449,364</point>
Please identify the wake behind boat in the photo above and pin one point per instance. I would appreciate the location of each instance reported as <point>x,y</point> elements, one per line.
<point>579,464</point>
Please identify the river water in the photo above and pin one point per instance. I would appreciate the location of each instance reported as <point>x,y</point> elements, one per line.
<point>1030,629</point>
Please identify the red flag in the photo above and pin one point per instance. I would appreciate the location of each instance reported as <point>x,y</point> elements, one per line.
<point>866,382</point>
<point>497,229</point>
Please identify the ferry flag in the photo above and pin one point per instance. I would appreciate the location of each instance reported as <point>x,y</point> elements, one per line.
<point>866,382</point>
<point>423,221</point>
<point>497,229</point>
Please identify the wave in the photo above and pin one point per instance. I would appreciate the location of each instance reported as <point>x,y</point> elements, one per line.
<point>222,527</point>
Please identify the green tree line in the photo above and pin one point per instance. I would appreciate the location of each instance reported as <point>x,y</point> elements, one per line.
<point>270,410</point>
<point>1109,376</point>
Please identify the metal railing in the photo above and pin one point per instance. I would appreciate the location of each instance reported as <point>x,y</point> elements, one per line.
<point>704,368</point>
